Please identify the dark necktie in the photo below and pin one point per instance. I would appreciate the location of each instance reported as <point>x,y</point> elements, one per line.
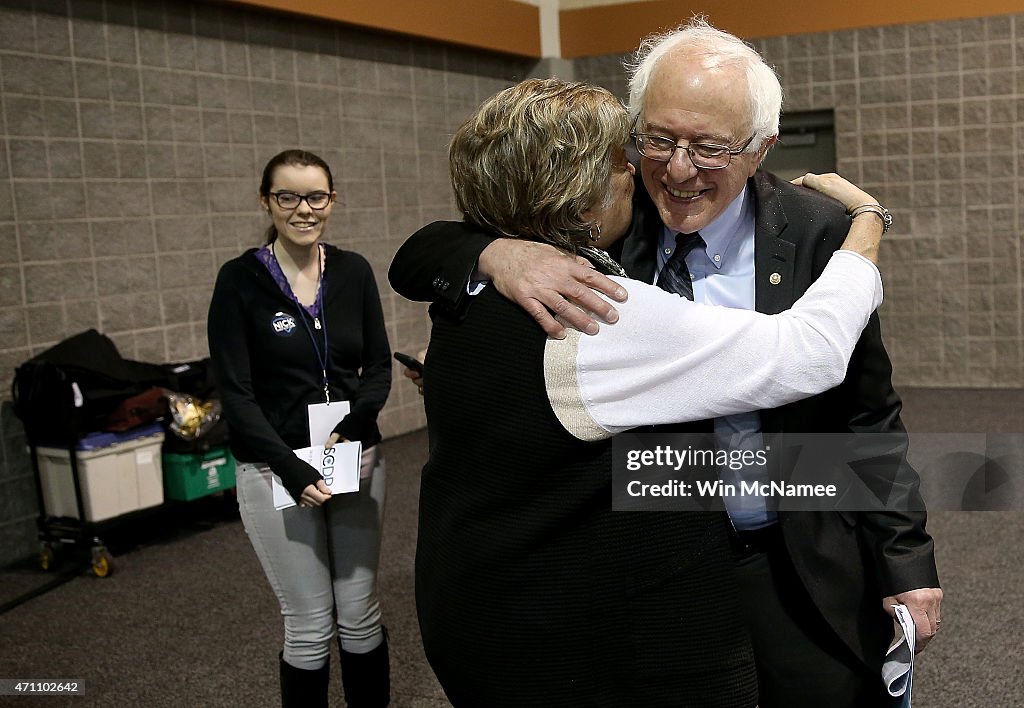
<point>675,276</point>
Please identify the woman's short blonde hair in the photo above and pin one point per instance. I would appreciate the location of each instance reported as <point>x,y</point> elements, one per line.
<point>534,157</point>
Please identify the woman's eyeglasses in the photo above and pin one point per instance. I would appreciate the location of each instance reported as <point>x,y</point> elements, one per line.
<point>291,200</point>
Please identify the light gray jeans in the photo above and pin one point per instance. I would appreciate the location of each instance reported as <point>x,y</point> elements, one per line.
<point>321,563</point>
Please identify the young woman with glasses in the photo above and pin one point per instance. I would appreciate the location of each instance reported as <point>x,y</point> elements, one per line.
<point>293,324</point>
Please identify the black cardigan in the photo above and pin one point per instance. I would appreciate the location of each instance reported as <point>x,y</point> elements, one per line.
<point>530,589</point>
<point>268,374</point>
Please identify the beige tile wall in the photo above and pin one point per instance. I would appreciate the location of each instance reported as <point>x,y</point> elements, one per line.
<point>929,118</point>
<point>132,141</point>
<point>132,137</point>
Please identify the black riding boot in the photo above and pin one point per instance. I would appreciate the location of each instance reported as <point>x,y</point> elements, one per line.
<point>366,678</point>
<point>304,688</point>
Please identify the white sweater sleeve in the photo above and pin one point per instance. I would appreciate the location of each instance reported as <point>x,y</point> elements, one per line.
<point>668,360</point>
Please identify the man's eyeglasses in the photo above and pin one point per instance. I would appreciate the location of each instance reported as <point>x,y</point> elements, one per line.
<point>706,156</point>
<point>291,200</point>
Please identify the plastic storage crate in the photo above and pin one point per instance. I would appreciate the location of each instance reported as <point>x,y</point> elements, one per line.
<point>114,479</point>
<point>194,475</point>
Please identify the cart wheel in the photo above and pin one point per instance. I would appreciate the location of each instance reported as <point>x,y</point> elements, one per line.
<point>102,562</point>
<point>46,556</point>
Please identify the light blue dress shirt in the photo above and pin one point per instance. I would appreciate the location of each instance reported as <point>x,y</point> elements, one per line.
<point>723,274</point>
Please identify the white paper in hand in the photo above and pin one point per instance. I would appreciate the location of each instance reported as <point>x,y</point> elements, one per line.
<point>338,465</point>
<point>898,669</point>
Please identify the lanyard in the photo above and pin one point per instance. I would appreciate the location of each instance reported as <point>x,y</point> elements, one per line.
<point>324,356</point>
<point>321,357</point>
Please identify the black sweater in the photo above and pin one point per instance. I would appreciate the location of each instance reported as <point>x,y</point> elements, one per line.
<point>530,589</point>
<point>268,374</point>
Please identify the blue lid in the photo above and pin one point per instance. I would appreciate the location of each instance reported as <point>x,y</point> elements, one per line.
<point>94,441</point>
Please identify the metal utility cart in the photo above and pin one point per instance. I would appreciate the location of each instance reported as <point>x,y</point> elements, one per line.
<point>62,395</point>
<point>91,486</point>
<point>86,481</point>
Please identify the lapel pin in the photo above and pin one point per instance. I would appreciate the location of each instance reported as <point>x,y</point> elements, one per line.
<point>774,278</point>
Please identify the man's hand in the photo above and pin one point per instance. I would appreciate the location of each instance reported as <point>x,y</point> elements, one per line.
<point>925,605</point>
<point>543,280</point>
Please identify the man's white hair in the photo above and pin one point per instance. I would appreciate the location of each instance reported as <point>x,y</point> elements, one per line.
<point>714,48</point>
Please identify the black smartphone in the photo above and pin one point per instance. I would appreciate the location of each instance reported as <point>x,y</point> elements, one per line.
<point>410,362</point>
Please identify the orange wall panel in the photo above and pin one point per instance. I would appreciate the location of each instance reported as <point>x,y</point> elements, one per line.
<point>498,25</point>
<point>616,29</point>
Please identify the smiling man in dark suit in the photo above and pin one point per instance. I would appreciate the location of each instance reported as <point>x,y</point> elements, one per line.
<point>710,225</point>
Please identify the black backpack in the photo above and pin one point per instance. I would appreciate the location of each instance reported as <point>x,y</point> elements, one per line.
<point>70,389</point>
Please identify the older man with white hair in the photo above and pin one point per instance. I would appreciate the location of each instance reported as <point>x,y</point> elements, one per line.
<point>708,224</point>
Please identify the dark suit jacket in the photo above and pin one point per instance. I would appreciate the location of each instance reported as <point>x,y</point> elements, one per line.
<point>847,561</point>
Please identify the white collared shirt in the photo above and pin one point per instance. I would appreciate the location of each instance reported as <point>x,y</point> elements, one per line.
<point>723,274</point>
